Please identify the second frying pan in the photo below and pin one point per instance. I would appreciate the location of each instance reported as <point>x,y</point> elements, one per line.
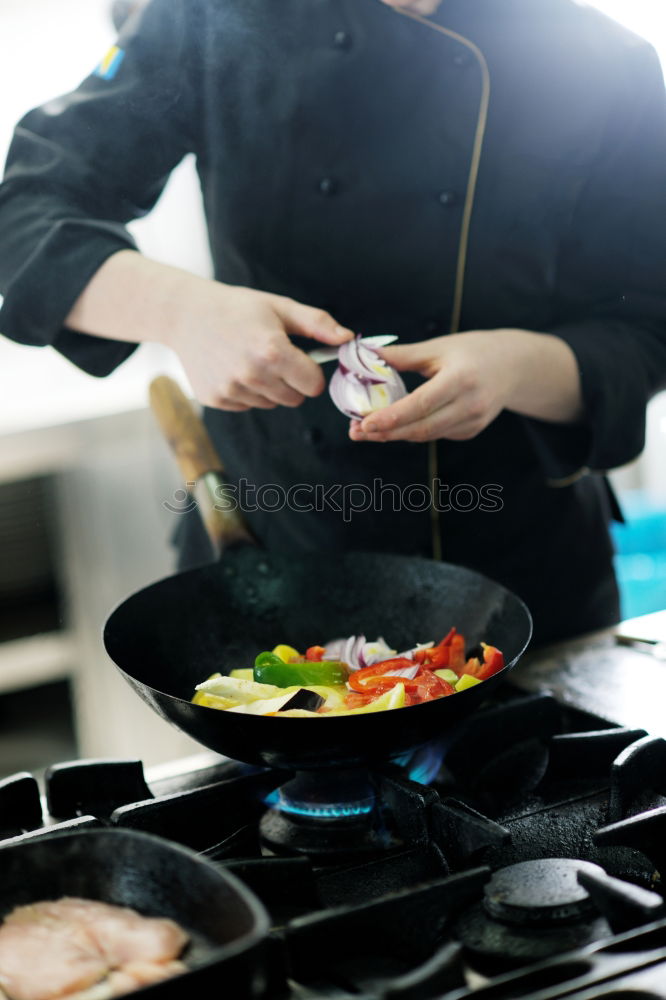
<point>226,924</point>
<point>168,637</point>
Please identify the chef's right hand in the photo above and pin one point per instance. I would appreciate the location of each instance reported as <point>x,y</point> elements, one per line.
<point>233,342</point>
<point>235,349</point>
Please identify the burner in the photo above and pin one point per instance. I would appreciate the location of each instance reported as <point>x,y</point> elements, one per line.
<point>326,815</point>
<point>317,795</point>
<point>539,893</point>
<point>532,910</point>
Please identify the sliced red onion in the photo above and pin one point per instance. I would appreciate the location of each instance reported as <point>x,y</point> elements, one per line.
<point>352,650</point>
<point>346,650</point>
<point>333,649</point>
<point>410,652</point>
<point>345,656</point>
<point>358,649</point>
<point>409,673</point>
<point>357,653</point>
<point>363,382</point>
<point>375,652</point>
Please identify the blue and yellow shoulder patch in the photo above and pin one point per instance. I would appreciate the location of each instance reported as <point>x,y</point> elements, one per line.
<point>110,64</point>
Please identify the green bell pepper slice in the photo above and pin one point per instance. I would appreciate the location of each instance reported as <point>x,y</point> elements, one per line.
<point>270,669</point>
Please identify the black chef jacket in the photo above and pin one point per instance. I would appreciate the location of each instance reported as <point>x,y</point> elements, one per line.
<point>334,140</point>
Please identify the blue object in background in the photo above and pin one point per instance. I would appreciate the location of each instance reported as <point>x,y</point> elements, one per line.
<point>640,562</point>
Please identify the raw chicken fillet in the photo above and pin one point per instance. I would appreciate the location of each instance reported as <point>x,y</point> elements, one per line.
<point>79,947</point>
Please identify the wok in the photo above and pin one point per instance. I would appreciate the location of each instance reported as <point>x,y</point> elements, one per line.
<point>226,923</point>
<point>171,635</point>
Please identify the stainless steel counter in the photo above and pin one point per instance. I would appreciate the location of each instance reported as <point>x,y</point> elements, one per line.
<point>597,674</point>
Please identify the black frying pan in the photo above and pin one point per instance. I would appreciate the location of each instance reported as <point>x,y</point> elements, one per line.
<point>226,923</point>
<point>170,636</point>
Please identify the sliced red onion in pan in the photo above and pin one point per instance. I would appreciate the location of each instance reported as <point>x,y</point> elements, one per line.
<point>358,648</point>
<point>375,652</point>
<point>345,656</point>
<point>333,649</point>
<point>358,654</point>
<point>410,652</point>
<point>350,654</point>
<point>409,673</point>
<point>346,650</point>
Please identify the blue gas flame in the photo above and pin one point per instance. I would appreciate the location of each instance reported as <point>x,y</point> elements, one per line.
<point>318,810</point>
<point>423,765</point>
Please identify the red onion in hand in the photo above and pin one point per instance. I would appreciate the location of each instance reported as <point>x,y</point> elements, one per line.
<point>363,382</point>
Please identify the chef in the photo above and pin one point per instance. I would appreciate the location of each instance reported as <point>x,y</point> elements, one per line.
<point>485,179</point>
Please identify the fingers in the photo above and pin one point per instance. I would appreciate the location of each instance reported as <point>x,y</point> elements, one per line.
<point>286,390</point>
<point>277,371</point>
<point>421,357</point>
<point>249,399</point>
<point>308,321</point>
<point>242,400</point>
<point>451,421</point>
<point>243,357</point>
<point>283,380</point>
<point>416,406</point>
<point>461,414</point>
<point>218,403</point>
<point>301,373</point>
<point>288,374</point>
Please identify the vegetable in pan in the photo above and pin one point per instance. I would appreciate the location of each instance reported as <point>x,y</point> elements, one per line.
<point>350,677</point>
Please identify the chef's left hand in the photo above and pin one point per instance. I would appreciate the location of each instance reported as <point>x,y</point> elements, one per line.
<point>471,378</point>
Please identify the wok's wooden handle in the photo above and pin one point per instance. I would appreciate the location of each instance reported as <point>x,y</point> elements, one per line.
<point>183,429</point>
<point>200,465</point>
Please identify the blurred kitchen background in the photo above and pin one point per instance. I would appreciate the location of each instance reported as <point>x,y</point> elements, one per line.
<point>83,470</point>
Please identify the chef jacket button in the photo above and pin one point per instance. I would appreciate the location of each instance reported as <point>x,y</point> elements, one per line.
<point>461,59</point>
<point>448,198</point>
<point>328,186</point>
<point>432,327</point>
<point>342,40</point>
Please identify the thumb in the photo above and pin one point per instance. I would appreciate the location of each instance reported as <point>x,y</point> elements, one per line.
<point>308,321</point>
<point>410,357</point>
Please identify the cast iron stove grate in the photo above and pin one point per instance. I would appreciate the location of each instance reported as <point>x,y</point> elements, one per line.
<point>528,867</point>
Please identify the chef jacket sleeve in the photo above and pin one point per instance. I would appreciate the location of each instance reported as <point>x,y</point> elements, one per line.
<point>611,282</point>
<point>79,168</point>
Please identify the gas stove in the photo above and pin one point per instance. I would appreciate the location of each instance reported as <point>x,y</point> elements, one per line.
<point>522,862</point>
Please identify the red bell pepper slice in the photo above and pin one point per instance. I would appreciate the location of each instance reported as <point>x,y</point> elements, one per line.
<point>448,638</point>
<point>315,654</point>
<point>437,656</point>
<point>366,679</point>
<point>449,653</point>
<point>492,658</point>
<point>493,661</point>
